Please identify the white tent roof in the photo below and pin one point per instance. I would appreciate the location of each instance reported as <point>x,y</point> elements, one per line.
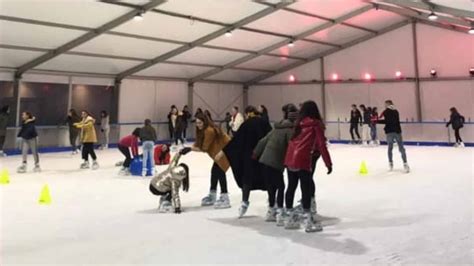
<point>186,39</point>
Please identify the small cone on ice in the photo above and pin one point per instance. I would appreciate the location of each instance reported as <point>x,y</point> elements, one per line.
<point>45,197</point>
<point>363,168</point>
<point>4,177</point>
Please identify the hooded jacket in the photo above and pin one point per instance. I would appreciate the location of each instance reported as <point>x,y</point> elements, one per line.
<point>271,150</point>
<point>28,129</point>
<point>88,134</point>
<point>456,121</point>
<point>301,148</point>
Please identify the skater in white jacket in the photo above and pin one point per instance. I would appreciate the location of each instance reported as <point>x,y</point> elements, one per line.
<point>236,121</point>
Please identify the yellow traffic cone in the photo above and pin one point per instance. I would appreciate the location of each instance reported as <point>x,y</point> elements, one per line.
<point>363,168</point>
<point>45,196</point>
<point>4,177</point>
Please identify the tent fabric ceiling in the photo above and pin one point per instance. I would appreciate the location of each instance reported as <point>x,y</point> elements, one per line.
<point>29,29</point>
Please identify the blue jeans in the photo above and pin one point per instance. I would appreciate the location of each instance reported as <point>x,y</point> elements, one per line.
<point>373,132</point>
<point>148,154</point>
<point>391,137</point>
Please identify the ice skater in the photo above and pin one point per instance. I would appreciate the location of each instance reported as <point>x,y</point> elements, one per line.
<point>187,118</point>
<point>366,112</point>
<point>29,141</point>
<point>4,116</point>
<point>167,185</point>
<point>88,139</point>
<point>162,154</point>
<point>247,171</point>
<point>456,120</point>
<point>270,151</point>
<point>172,115</point>
<point>308,139</point>
<point>105,129</point>
<point>356,119</point>
<point>374,117</point>
<point>393,130</point>
<point>179,128</point>
<point>126,144</point>
<point>211,140</point>
<point>148,138</point>
<point>73,118</point>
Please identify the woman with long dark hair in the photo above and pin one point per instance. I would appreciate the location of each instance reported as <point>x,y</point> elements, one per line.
<point>456,120</point>
<point>264,113</point>
<point>88,139</point>
<point>308,139</point>
<point>73,118</point>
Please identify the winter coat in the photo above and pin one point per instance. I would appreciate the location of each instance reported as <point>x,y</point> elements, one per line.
<point>105,123</point>
<point>186,117</point>
<point>171,120</point>
<point>28,130</point>
<point>356,117</point>
<point>148,133</point>
<point>391,120</point>
<point>130,141</point>
<point>246,170</point>
<point>236,121</point>
<point>213,144</point>
<point>158,154</point>
<point>366,117</point>
<point>456,121</point>
<point>168,182</point>
<point>271,150</point>
<point>3,124</point>
<point>88,134</point>
<point>311,140</point>
<point>180,124</point>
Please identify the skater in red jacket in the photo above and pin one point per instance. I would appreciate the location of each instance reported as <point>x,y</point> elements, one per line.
<point>162,154</point>
<point>308,140</point>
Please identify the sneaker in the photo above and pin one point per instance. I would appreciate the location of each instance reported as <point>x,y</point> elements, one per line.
<point>95,165</point>
<point>223,202</point>
<point>165,206</point>
<point>243,209</point>
<point>390,167</point>
<point>209,200</point>
<point>281,217</point>
<point>85,165</point>
<point>406,168</point>
<point>21,169</point>
<point>37,169</point>
<point>292,223</point>
<point>271,215</point>
<point>310,225</point>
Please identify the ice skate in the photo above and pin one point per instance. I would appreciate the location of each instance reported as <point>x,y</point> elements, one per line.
<point>281,217</point>
<point>74,152</point>
<point>390,167</point>
<point>271,215</point>
<point>310,225</point>
<point>406,168</point>
<point>37,169</point>
<point>461,145</point>
<point>3,154</point>
<point>95,165</point>
<point>124,171</point>
<point>21,169</point>
<point>293,222</point>
<point>243,209</point>
<point>209,200</point>
<point>118,164</point>
<point>165,206</point>
<point>85,165</point>
<point>223,202</point>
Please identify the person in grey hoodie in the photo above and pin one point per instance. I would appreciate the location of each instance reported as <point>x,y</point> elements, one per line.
<point>4,114</point>
<point>270,151</point>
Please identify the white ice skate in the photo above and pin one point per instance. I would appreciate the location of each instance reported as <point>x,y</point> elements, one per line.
<point>271,215</point>
<point>310,225</point>
<point>223,202</point>
<point>21,169</point>
<point>37,169</point>
<point>85,165</point>
<point>243,209</point>
<point>406,168</point>
<point>461,145</point>
<point>165,206</point>
<point>293,222</point>
<point>281,217</point>
<point>209,200</point>
<point>95,165</point>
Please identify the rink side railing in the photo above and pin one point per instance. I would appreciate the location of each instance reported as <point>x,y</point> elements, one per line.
<point>56,138</point>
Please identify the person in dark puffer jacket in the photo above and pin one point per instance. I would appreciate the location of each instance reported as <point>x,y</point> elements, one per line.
<point>29,137</point>
<point>456,120</point>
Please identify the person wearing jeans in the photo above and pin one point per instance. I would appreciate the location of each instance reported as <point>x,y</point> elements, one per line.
<point>29,138</point>
<point>148,137</point>
<point>393,131</point>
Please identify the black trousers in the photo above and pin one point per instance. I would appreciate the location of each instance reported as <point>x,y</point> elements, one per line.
<point>354,128</point>
<point>307,188</point>
<point>171,131</point>
<point>178,136</point>
<point>156,192</point>
<point>217,175</point>
<point>185,131</point>
<point>456,134</point>
<point>275,186</point>
<point>73,134</point>
<point>126,152</point>
<point>88,149</point>
<point>2,142</point>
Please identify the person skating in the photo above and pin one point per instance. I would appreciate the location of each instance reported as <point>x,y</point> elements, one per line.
<point>126,144</point>
<point>73,118</point>
<point>247,171</point>
<point>4,115</point>
<point>187,118</point>
<point>456,120</point>
<point>270,151</point>
<point>167,185</point>
<point>29,141</point>
<point>393,130</point>
<point>262,109</point>
<point>366,112</point>
<point>172,115</point>
<point>308,139</point>
<point>374,117</point>
<point>105,129</point>
<point>227,119</point>
<point>148,137</point>
<point>211,140</point>
<point>179,127</point>
<point>162,154</point>
<point>208,114</point>
<point>88,139</point>
<point>236,121</point>
<point>356,119</point>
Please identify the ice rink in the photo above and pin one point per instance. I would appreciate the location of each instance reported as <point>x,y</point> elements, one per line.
<point>99,217</point>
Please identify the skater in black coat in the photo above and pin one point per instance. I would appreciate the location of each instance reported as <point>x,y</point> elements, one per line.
<point>356,119</point>
<point>457,122</point>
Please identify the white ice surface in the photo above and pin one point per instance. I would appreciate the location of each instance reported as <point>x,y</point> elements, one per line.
<point>97,217</point>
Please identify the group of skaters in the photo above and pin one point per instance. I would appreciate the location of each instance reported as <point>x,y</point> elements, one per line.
<point>367,118</point>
